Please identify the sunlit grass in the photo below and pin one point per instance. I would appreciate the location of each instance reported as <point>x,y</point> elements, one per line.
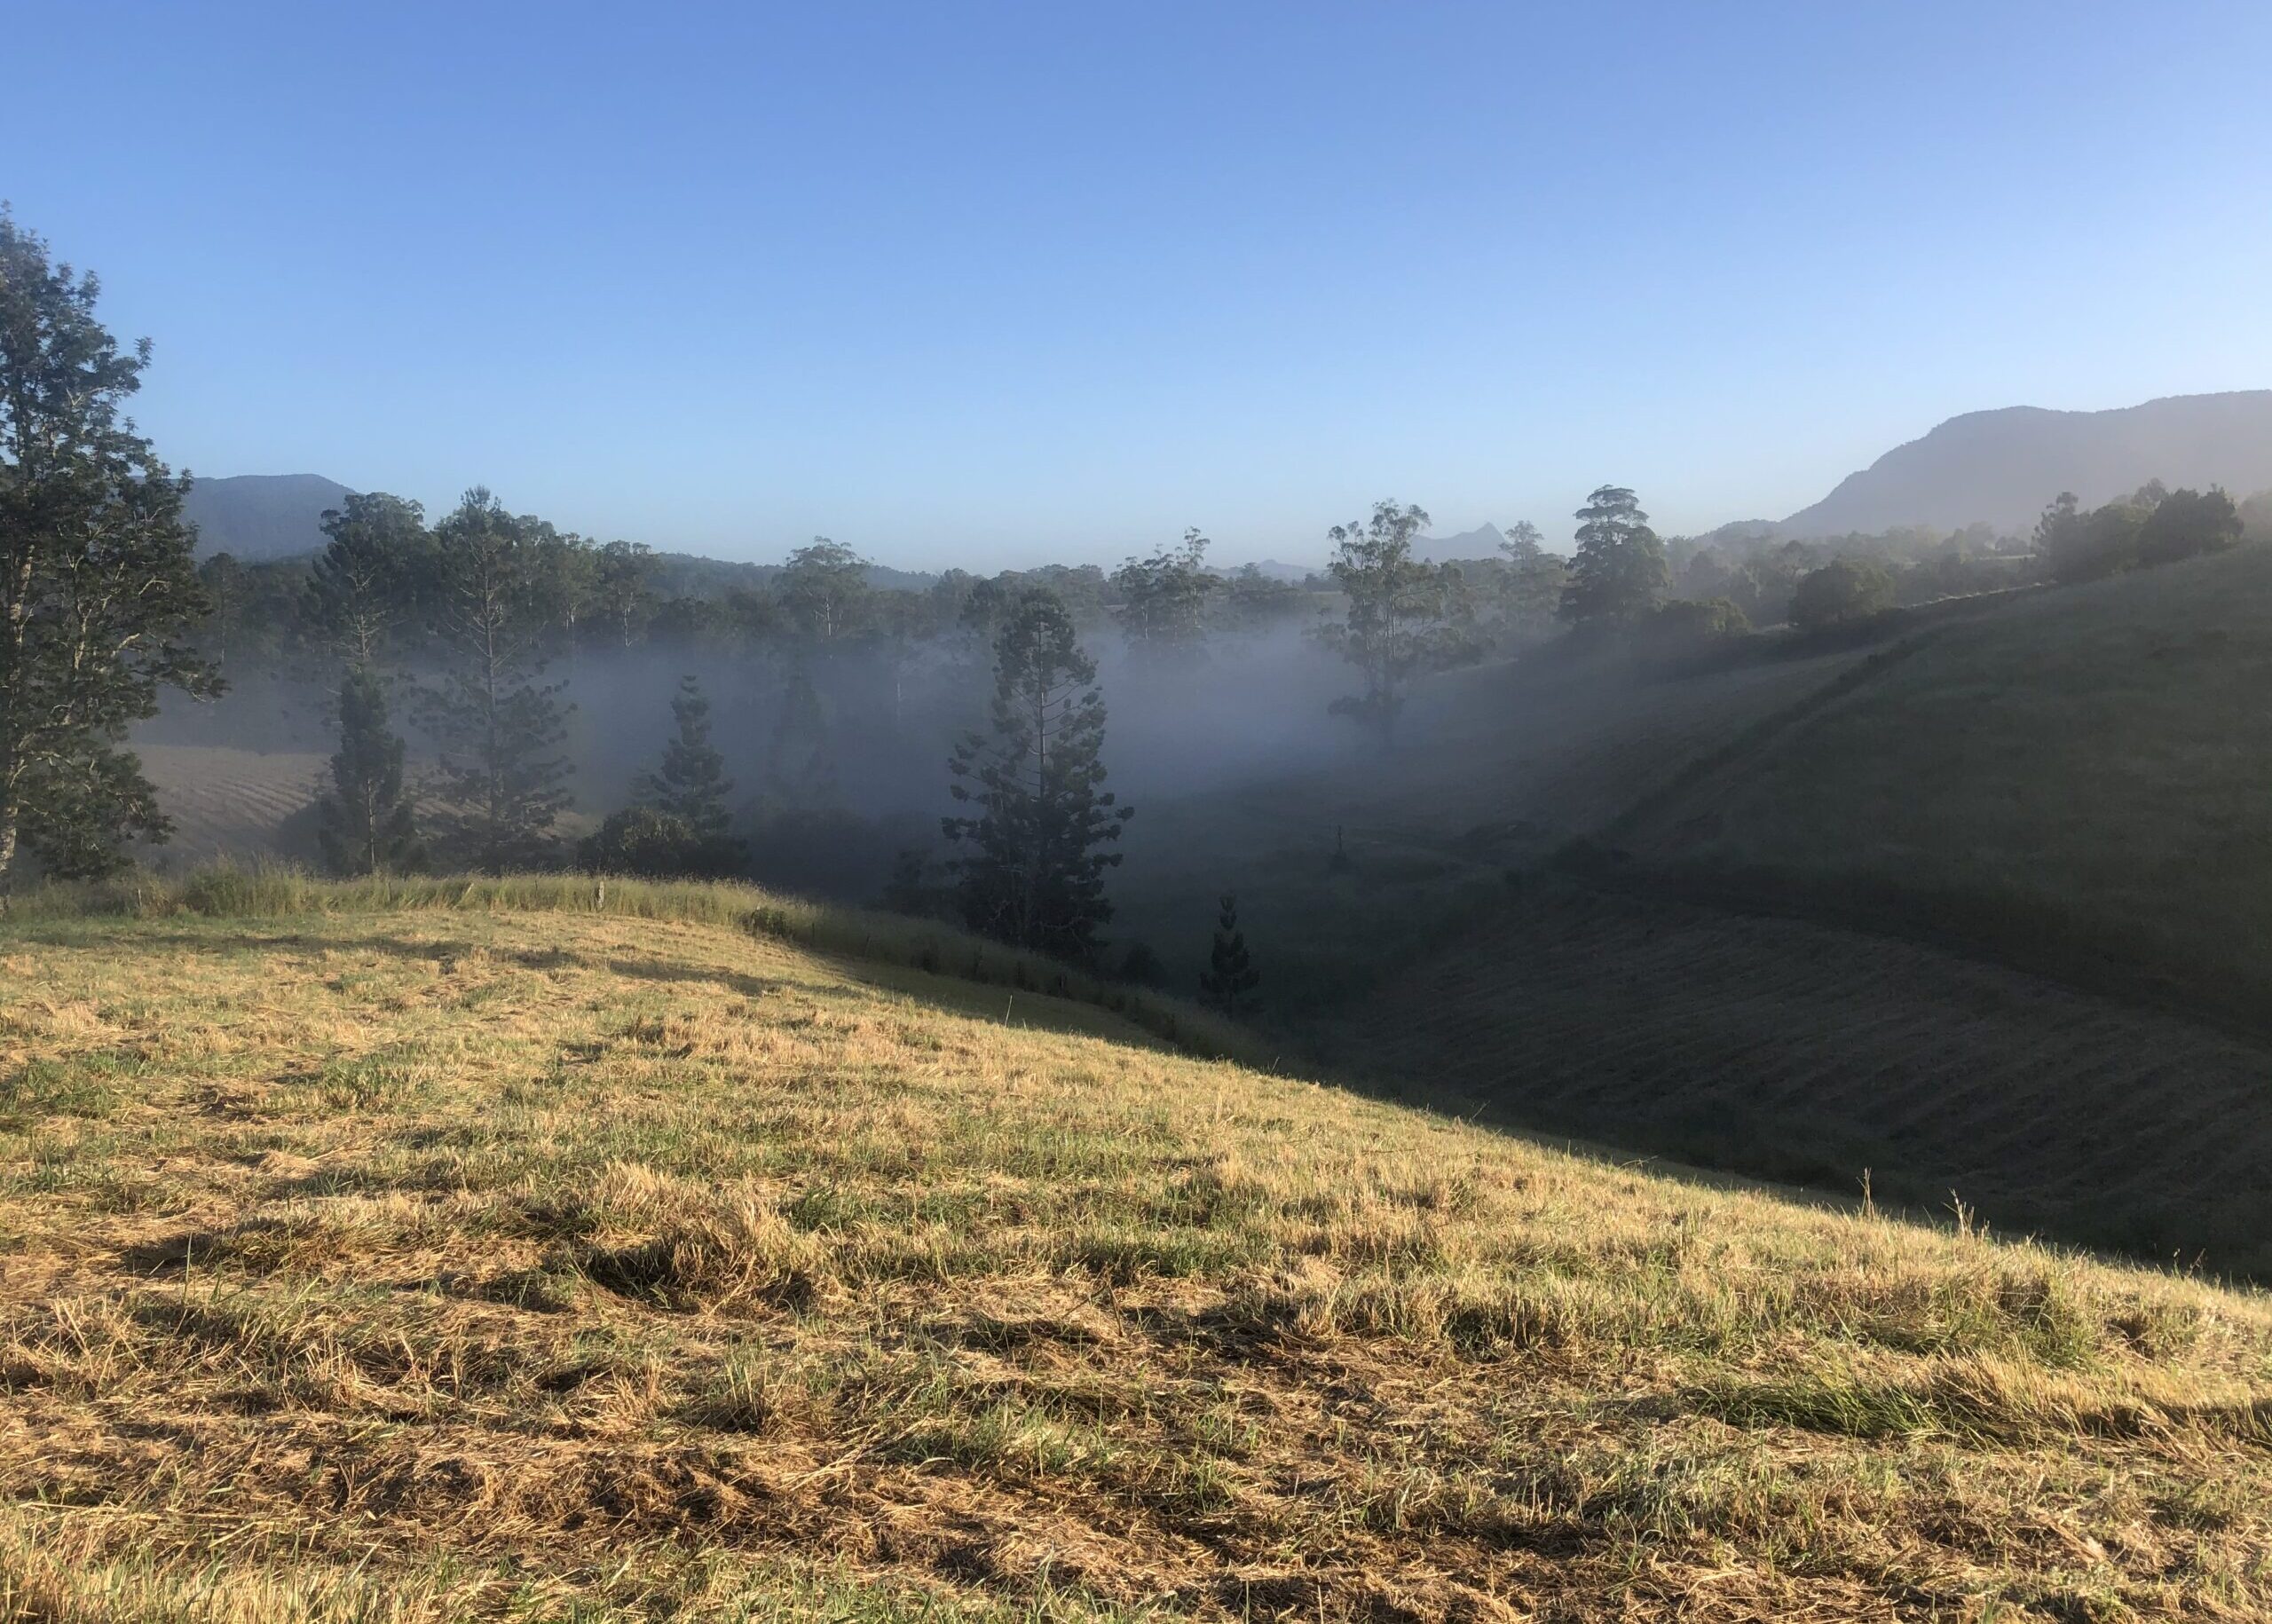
<point>430,1250</point>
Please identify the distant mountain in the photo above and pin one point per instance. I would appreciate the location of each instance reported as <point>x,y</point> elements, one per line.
<point>2003,466</point>
<point>1481,542</point>
<point>1275,569</point>
<point>1738,532</point>
<point>261,516</point>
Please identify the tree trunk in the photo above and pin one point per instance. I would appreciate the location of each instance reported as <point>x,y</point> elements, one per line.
<point>7,853</point>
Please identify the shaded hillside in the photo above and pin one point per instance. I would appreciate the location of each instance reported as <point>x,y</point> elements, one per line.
<point>1498,767</point>
<point>1797,1051</point>
<point>2077,778</point>
<point>259,517</point>
<point>491,1257</point>
<point>2002,467</point>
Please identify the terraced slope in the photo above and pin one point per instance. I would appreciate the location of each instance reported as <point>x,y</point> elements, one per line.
<point>237,803</point>
<point>1802,1052</point>
<point>470,1262</point>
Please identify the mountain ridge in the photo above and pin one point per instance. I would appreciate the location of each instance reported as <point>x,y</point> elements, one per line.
<point>257,518</point>
<point>2004,465</point>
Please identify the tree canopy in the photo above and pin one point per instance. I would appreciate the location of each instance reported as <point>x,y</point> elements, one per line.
<point>1619,573</point>
<point>99,587</point>
<point>1405,616</point>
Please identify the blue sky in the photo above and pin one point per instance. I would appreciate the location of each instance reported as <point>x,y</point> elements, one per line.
<point>991,284</point>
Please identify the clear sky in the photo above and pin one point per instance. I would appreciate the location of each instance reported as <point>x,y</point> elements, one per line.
<point>990,283</point>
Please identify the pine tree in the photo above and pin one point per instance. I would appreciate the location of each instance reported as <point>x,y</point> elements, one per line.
<point>366,579</point>
<point>1035,877</point>
<point>1619,574</point>
<point>679,828</point>
<point>364,824</point>
<point>799,758</point>
<point>691,784</point>
<point>1230,975</point>
<point>502,730</point>
<point>98,591</point>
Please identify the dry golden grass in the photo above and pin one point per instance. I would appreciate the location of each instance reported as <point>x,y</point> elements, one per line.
<point>445,1263</point>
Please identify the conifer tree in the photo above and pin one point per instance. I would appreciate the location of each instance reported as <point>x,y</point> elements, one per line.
<point>691,784</point>
<point>799,758</point>
<point>1035,875</point>
<point>367,578</point>
<point>364,824</point>
<point>502,730</point>
<point>1230,976</point>
<point>98,589</point>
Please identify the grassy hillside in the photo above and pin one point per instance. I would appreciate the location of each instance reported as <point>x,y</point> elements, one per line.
<point>1797,1050</point>
<point>1989,823</point>
<point>2081,780</point>
<point>477,1258</point>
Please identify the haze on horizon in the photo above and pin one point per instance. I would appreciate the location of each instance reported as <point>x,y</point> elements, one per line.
<point>990,288</point>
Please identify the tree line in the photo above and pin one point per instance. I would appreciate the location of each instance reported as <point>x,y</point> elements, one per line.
<point>462,627</point>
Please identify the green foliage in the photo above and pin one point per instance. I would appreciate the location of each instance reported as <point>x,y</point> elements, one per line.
<point>623,595</point>
<point>1251,601</point>
<point>2187,524</point>
<point>1229,981</point>
<point>1141,966</point>
<point>375,572</point>
<point>1842,590</point>
<point>365,824</point>
<point>99,590</point>
<point>651,843</point>
<point>502,730</point>
<point>1619,574</point>
<point>1164,602</point>
<point>2153,526</point>
<point>824,587</point>
<point>1404,616</point>
<point>691,784</point>
<point>1683,623</point>
<point>1035,875</point>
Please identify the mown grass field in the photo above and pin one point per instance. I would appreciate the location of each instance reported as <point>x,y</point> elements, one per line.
<point>488,1259</point>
